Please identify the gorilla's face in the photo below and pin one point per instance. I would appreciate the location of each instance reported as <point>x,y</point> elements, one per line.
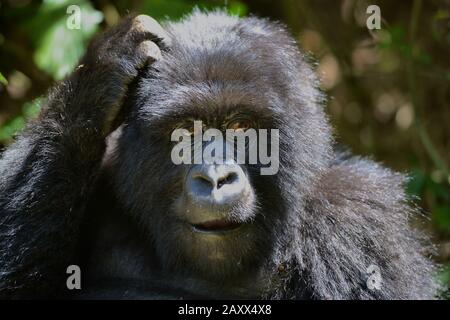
<point>219,221</point>
<point>209,219</point>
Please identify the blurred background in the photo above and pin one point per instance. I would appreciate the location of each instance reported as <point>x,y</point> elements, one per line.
<point>388,88</point>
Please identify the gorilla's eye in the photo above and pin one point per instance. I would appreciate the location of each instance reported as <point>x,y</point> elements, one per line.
<point>240,124</point>
<point>189,126</point>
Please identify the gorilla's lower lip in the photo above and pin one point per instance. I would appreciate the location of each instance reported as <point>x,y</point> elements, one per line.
<point>216,226</point>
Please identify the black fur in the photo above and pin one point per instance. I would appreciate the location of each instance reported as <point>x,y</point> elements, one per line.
<point>320,222</point>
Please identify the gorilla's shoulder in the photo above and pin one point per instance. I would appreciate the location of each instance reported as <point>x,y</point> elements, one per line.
<point>361,180</point>
<point>360,209</point>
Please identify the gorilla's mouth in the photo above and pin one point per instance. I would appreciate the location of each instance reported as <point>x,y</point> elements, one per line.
<point>216,226</point>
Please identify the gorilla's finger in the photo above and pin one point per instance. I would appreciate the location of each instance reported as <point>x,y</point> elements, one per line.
<point>151,29</point>
<point>149,50</point>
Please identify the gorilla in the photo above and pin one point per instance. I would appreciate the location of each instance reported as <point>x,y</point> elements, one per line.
<point>91,183</point>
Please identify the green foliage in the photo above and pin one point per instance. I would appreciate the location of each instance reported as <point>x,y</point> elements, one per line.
<point>444,277</point>
<point>12,127</point>
<point>395,39</point>
<point>171,9</point>
<point>441,216</point>
<point>175,9</point>
<point>3,79</point>
<point>422,184</point>
<point>9,129</point>
<point>435,185</point>
<point>417,183</point>
<point>237,8</point>
<point>59,48</point>
<point>31,109</point>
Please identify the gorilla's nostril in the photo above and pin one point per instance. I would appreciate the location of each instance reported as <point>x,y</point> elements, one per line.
<point>203,179</point>
<point>217,184</point>
<point>228,179</point>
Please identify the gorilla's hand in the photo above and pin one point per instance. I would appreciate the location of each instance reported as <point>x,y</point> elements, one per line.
<point>113,60</point>
<point>46,177</point>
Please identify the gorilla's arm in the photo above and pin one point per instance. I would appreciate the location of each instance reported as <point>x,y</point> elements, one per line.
<point>44,180</point>
<point>361,213</point>
<point>46,176</point>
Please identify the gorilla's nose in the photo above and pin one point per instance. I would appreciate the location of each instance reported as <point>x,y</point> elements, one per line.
<point>218,184</point>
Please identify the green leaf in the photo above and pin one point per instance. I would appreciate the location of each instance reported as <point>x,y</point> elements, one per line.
<point>237,8</point>
<point>175,9</point>
<point>8,130</point>
<point>32,108</point>
<point>59,48</point>
<point>12,127</point>
<point>3,79</point>
<point>398,35</point>
<point>172,9</point>
<point>441,217</point>
<point>438,189</point>
<point>444,278</point>
<point>417,183</point>
<point>385,39</point>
